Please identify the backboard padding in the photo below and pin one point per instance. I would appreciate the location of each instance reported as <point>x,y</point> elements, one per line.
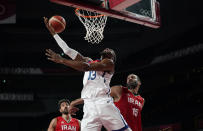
<point>124,15</point>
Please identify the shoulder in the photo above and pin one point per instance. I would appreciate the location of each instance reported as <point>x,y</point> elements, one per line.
<point>79,122</point>
<point>54,119</point>
<point>116,90</point>
<point>76,121</point>
<point>117,87</point>
<point>142,99</point>
<point>53,122</point>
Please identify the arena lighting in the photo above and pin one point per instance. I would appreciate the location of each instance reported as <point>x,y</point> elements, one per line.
<point>19,70</point>
<point>178,53</point>
<point>16,97</point>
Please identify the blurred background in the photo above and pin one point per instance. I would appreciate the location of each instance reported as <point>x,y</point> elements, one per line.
<point>168,60</point>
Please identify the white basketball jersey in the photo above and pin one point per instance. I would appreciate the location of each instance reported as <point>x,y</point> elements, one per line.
<point>96,84</point>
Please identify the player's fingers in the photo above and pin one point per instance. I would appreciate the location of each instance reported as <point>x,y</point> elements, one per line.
<point>47,54</point>
<point>52,52</point>
<point>49,51</point>
<point>76,109</point>
<point>73,110</point>
<point>45,20</point>
<point>51,59</point>
<point>73,113</point>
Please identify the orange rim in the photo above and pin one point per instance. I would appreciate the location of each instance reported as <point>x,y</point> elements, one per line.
<point>85,16</point>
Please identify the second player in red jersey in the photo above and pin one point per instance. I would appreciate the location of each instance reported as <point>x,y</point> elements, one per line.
<point>129,102</point>
<point>64,122</point>
<point>63,125</point>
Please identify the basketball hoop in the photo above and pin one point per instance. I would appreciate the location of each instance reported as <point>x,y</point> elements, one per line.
<point>94,24</point>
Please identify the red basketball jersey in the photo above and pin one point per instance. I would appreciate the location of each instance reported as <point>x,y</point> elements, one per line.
<point>130,107</point>
<point>62,125</point>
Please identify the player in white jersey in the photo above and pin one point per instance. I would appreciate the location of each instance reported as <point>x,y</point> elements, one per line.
<point>96,84</point>
<point>99,108</point>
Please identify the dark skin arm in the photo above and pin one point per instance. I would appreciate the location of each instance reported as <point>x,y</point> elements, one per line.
<point>116,92</point>
<point>79,57</point>
<point>77,65</point>
<point>104,65</point>
<point>77,102</point>
<point>52,125</point>
<point>72,109</point>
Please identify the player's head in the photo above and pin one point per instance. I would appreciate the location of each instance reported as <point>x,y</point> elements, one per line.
<point>133,82</point>
<point>63,106</point>
<point>108,53</point>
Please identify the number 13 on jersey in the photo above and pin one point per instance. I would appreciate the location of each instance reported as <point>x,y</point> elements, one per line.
<point>92,75</point>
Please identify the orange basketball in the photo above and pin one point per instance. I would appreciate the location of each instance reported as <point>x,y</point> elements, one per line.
<point>58,23</point>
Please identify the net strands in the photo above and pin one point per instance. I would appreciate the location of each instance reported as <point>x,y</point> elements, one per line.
<point>94,24</point>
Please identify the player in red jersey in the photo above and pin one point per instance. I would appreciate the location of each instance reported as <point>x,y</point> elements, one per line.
<point>129,102</point>
<point>64,122</point>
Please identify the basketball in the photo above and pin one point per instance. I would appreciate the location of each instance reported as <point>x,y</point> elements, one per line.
<point>58,23</point>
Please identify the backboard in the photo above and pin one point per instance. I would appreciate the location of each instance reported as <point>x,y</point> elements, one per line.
<point>144,12</point>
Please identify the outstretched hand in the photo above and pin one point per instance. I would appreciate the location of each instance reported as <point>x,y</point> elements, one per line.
<point>46,22</point>
<point>72,110</point>
<point>52,56</point>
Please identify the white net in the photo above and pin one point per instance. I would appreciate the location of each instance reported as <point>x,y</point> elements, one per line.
<point>94,24</point>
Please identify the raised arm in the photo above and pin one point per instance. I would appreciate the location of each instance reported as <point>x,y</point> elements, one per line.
<point>77,65</point>
<point>52,125</point>
<point>72,109</point>
<point>104,65</point>
<point>116,92</point>
<point>77,102</point>
<point>73,54</point>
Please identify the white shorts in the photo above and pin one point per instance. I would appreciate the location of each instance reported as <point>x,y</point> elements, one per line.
<point>98,112</point>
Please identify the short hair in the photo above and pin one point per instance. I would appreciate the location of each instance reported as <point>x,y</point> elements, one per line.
<point>114,57</point>
<point>61,101</point>
<point>138,78</point>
